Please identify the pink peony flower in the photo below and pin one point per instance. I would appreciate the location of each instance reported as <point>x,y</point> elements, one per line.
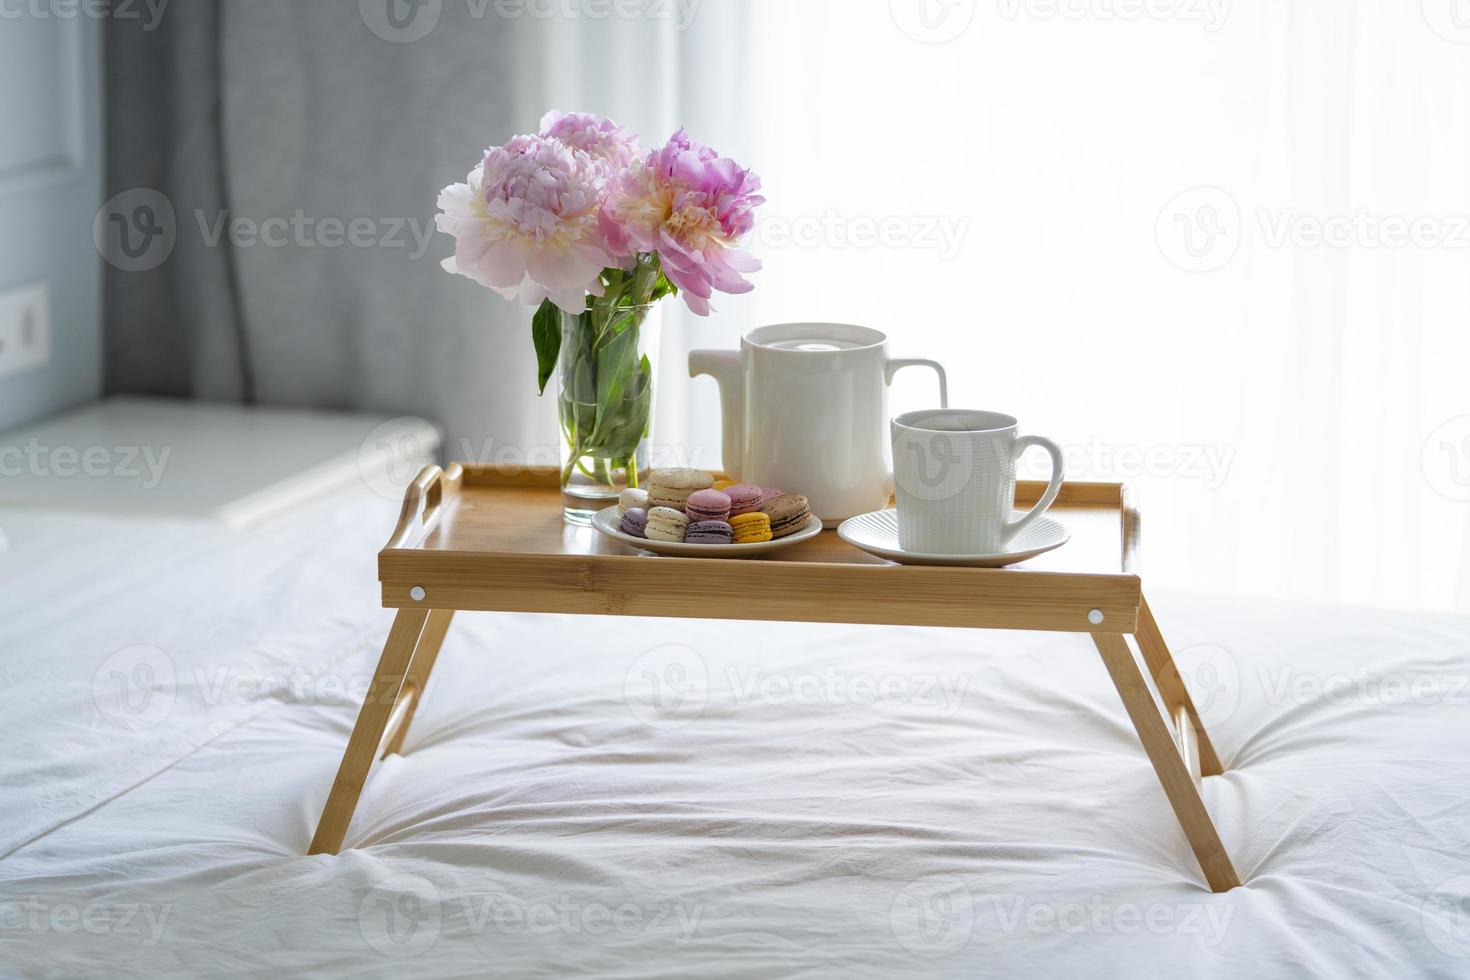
<point>600,138</point>
<point>526,222</point>
<point>691,206</point>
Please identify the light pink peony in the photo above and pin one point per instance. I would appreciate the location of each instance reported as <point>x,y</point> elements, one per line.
<point>598,137</point>
<point>691,206</point>
<point>527,222</point>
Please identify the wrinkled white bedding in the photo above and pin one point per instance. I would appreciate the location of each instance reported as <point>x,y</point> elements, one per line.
<point>641,798</point>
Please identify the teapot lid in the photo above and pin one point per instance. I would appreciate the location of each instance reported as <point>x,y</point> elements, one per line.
<point>815,338</point>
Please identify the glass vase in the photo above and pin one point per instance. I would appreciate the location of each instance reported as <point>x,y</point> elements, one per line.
<point>604,396</point>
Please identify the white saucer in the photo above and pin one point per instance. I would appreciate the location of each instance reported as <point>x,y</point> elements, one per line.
<point>877,534</point>
<point>606,521</point>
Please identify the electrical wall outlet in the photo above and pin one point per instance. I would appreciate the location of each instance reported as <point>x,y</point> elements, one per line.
<point>25,328</point>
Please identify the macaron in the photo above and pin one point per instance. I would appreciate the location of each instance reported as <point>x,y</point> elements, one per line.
<point>665,524</point>
<point>768,493</point>
<point>789,513</point>
<point>751,528</point>
<point>745,498</point>
<point>709,532</point>
<point>707,505</point>
<point>632,497</point>
<point>634,522</point>
<point>672,486</point>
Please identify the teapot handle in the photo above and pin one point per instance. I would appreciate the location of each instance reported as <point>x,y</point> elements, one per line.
<point>897,364</point>
<point>724,367</point>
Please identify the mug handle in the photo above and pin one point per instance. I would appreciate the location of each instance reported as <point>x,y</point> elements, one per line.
<point>897,364</point>
<point>1013,528</point>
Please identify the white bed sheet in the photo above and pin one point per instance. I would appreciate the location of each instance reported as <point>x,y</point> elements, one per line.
<point>824,801</point>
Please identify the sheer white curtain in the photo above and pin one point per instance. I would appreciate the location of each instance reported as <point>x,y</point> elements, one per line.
<point>1008,186</point>
<point>1216,248</point>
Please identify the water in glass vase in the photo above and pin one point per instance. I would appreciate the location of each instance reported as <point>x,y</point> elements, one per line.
<point>604,377</point>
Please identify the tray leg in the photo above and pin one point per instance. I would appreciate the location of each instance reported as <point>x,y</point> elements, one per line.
<point>1169,764</point>
<point>383,696</point>
<point>418,672</point>
<point>1171,687</point>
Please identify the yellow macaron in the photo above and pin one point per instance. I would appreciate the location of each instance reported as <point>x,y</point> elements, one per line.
<point>752,528</point>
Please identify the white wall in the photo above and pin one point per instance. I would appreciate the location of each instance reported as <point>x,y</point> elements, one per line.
<point>51,178</point>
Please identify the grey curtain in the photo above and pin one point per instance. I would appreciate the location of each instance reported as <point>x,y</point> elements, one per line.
<point>300,146</point>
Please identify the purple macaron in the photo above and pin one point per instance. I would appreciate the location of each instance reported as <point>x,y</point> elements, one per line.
<point>745,498</point>
<point>634,522</point>
<point>709,532</point>
<point>707,505</point>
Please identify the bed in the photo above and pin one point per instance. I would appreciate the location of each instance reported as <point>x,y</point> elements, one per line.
<point>836,801</point>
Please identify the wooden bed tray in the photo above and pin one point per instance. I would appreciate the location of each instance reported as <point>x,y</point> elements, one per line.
<point>490,539</point>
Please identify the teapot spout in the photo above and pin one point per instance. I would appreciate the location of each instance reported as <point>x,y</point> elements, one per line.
<point>724,367</point>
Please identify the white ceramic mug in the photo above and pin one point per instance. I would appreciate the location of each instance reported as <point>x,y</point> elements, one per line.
<point>955,480</point>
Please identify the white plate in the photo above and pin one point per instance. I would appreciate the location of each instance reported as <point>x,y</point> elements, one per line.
<point>877,534</point>
<point>606,521</point>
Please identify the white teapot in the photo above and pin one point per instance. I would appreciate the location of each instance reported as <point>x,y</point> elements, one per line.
<point>805,409</point>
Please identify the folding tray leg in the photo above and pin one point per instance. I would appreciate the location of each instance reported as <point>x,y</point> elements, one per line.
<point>418,673</point>
<point>1173,772</point>
<point>1171,688</point>
<point>384,696</point>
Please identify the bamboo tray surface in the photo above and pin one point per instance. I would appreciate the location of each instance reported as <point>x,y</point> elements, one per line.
<point>479,537</point>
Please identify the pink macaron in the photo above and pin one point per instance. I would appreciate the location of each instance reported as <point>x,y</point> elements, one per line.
<point>707,505</point>
<point>745,498</point>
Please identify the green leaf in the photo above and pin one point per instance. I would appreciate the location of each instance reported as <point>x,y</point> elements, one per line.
<point>616,364</point>
<point>620,429</point>
<point>663,288</point>
<point>546,335</point>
